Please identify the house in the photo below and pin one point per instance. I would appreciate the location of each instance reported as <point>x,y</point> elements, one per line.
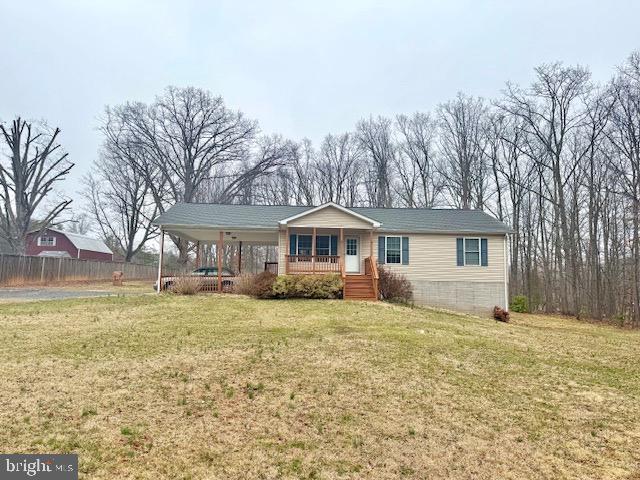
<point>455,259</point>
<point>52,242</point>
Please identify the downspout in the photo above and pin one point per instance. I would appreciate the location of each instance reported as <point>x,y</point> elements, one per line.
<point>506,272</point>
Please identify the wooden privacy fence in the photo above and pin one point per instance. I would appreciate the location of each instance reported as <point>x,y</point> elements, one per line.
<point>21,270</point>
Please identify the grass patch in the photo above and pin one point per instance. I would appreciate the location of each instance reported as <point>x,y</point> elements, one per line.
<point>230,387</point>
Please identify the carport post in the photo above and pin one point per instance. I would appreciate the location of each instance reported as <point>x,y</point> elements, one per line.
<point>239,257</point>
<point>160,258</point>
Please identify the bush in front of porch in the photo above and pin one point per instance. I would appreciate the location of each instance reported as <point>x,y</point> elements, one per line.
<point>308,286</point>
<point>268,285</point>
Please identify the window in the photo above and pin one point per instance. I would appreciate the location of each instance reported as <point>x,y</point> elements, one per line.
<point>393,252</point>
<point>47,241</point>
<point>352,246</point>
<point>304,244</point>
<point>323,245</point>
<point>472,251</point>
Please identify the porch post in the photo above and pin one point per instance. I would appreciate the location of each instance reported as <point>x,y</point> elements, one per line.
<point>286,253</point>
<point>239,256</point>
<point>371,244</point>
<point>198,258</point>
<point>160,259</point>
<point>313,250</point>
<point>219,255</point>
<point>342,251</point>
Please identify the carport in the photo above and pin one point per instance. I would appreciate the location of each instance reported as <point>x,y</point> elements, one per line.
<point>217,235</point>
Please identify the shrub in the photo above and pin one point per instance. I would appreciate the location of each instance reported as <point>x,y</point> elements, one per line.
<point>263,285</point>
<point>308,286</point>
<point>520,304</point>
<point>186,286</point>
<point>394,287</point>
<point>244,284</point>
<point>500,314</point>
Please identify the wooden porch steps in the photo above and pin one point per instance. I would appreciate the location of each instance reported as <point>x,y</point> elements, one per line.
<point>359,287</point>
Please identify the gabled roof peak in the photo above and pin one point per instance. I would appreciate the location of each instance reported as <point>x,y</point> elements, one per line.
<point>346,210</point>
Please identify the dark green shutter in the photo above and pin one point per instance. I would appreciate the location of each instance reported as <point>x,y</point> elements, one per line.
<point>334,245</point>
<point>460,251</point>
<point>381,245</point>
<point>484,256</point>
<point>405,250</point>
<point>293,244</point>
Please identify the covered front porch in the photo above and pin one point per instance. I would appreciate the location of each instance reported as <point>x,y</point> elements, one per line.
<point>314,250</point>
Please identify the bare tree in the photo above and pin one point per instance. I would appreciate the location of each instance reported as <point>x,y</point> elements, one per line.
<point>624,135</point>
<point>462,143</point>
<point>79,223</point>
<point>376,139</point>
<point>118,196</point>
<point>419,182</point>
<point>34,165</point>
<point>187,135</point>
<point>336,169</point>
<point>236,182</point>
<point>551,111</point>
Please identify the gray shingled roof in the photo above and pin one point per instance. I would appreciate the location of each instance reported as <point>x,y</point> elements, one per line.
<point>392,219</point>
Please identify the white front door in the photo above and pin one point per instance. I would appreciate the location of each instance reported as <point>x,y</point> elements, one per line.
<point>352,255</point>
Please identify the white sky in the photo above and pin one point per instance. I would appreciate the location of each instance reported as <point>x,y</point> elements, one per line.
<point>300,68</point>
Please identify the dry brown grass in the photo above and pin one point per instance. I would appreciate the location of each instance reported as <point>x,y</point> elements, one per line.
<point>229,387</point>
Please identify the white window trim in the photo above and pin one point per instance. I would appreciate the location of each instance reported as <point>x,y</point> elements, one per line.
<point>464,252</point>
<point>47,236</point>
<point>386,242</point>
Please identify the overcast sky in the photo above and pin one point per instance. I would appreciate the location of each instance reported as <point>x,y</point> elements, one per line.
<point>302,69</point>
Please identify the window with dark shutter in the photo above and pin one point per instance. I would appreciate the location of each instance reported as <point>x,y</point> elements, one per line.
<point>472,252</point>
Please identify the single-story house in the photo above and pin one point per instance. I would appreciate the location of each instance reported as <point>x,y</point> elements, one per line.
<point>455,259</point>
<point>52,242</point>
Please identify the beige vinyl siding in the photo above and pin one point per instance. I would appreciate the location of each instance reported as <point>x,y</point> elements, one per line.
<point>330,217</point>
<point>433,257</point>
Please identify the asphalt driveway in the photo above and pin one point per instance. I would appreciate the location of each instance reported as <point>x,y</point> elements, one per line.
<point>35,293</point>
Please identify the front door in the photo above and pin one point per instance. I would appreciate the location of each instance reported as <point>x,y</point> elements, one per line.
<point>352,255</point>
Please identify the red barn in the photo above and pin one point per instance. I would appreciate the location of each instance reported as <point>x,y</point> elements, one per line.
<point>58,243</point>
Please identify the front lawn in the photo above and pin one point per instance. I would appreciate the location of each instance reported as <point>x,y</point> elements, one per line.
<point>228,387</point>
